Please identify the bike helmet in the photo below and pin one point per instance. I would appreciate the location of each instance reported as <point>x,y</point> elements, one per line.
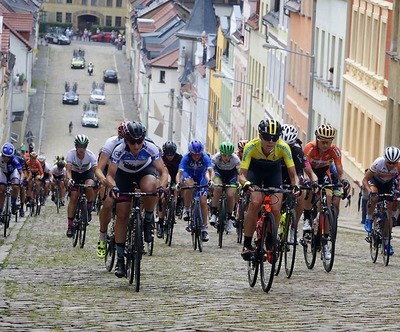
<point>169,148</point>
<point>242,143</point>
<point>135,131</point>
<point>8,150</point>
<point>42,159</point>
<point>61,164</point>
<point>196,147</point>
<point>392,154</point>
<point>226,148</point>
<point>270,127</point>
<point>325,132</point>
<point>122,129</point>
<point>289,134</point>
<point>81,140</point>
<point>33,155</point>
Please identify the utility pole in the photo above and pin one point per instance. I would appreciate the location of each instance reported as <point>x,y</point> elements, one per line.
<point>171,114</point>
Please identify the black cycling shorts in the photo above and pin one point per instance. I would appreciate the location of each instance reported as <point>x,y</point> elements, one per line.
<point>124,180</point>
<point>383,187</point>
<point>80,178</point>
<point>265,173</point>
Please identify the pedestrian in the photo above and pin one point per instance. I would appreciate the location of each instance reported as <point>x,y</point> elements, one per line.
<point>362,200</point>
<point>98,31</point>
<point>90,35</point>
<point>70,127</point>
<point>22,148</point>
<point>16,80</point>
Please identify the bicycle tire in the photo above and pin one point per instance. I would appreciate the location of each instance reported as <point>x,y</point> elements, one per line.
<point>199,227</point>
<point>330,241</point>
<point>240,221</point>
<point>57,198</point>
<point>193,229</point>
<point>374,242</point>
<point>75,237</point>
<point>130,251</point>
<point>170,221</point>
<point>7,214</point>
<point>110,247</point>
<point>252,267</point>
<point>221,221</point>
<point>37,202</point>
<point>309,243</point>
<point>385,246</point>
<point>280,241</point>
<point>268,252</point>
<point>289,245</point>
<point>138,250</point>
<point>150,247</point>
<point>83,224</point>
<point>98,203</point>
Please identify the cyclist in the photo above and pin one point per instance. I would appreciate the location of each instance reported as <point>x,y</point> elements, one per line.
<point>101,173</point>
<point>380,178</point>
<point>80,165</point>
<point>134,160</point>
<point>171,160</point>
<point>59,158</point>
<point>47,175</point>
<point>261,166</point>
<point>241,145</point>
<point>226,165</point>
<point>290,137</point>
<point>25,175</point>
<point>59,172</point>
<point>195,168</point>
<point>36,173</point>
<point>10,170</point>
<point>319,154</point>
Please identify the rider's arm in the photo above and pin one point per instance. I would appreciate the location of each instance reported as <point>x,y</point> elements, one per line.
<point>179,176</point>
<point>294,180</point>
<point>162,170</point>
<point>311,175</point>
<point>368,176</point>
<point>242,175</point>
<point>68,172</point>
<point>210,175</point>
<point>112,170</point>
<point>100,169</point>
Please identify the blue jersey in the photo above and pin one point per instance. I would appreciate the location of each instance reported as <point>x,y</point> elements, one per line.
<point>9,166</point>
<point>195,168</point>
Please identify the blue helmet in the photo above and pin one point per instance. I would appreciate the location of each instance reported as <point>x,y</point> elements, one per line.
<point>196,147</point>
<point>8,150</point>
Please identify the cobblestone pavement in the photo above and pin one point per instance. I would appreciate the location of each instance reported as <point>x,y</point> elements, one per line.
<point>46,284</point>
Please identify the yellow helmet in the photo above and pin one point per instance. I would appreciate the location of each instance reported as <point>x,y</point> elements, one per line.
<point>325,132</point>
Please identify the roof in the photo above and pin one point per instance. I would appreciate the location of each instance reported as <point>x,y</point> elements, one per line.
<point>253,21</point>
<point>22,22</point>
<point>168,60</point>
<point>17,34</point>
<point>202,19</point>
<point>5,40</point>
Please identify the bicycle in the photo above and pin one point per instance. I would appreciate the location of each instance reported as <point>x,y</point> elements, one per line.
<point>81,216</point>
<point>134,240</point>
<point>169,221</point>
<point>380,236</point>
<point>222,211</point>
<point>324,231</point>
<point>57,195</point>
<point>196,219</point>
<point>7,213</point>
<point>242,205</point>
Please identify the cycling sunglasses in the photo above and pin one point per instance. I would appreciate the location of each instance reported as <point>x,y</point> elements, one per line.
<point>268,137</point>
<point>135,141</point>
<point>392,162</point>
<point>81,146</point>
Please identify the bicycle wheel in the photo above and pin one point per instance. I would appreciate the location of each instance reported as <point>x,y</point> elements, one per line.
<point>37,203</point>
<point>328,241</point>
<point>138,250</point>
<point>32,204</point>
<point>110,247</point>
<point>193,227</point>
<point>290,242</point>
<point>385,246</point>
<point>268,252</point>
<point>221,221</point>
<point>130,251</point>
<point>57,198</point>
<point>280,241</point>
<point>7,214</point>
<point>98,203</point>
<point>170,221</point>
<point>83,224</point>
<point>252,267</point>
<point>240,221</point>
<point>199,227</point>
<point>309,243</point>
<point>76,226</point>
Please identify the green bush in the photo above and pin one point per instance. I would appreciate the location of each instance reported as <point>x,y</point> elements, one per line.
<point>44,27</point>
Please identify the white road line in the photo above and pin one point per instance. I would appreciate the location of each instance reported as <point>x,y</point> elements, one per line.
<point>44,102</point>
<point>119,88</point>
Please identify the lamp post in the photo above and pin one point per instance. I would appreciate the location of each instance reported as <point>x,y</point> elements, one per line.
<point>186,94</point>
<point>220,75</point>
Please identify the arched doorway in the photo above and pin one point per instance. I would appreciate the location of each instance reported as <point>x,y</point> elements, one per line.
<point>86,21</point>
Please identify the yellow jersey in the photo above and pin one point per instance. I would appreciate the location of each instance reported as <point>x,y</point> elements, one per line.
<point>253,150</point>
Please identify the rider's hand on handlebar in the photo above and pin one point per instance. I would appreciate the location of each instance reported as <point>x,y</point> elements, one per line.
<point>247,186</point>
<point>114,192</point>
<point>345,184</point>
<point>210,183</point>
<point>71,183</point>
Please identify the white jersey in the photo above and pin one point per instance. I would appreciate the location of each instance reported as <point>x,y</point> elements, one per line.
<point>233,162</point>
<point>381,172</point>
<point>110,145</point>
<point>57,172</point>
<point>46,167</point>
<point>127,162</point>
<point>81,165</point>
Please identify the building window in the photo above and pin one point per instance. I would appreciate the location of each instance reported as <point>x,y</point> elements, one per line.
<point>69,1</point>
<point>94,2</point>
<point>68,17</point>
<point>84,2</point>
<point>59,1</point>
<point>118,21</point>
<point>59,17</point>
<point>109,3</point>
<point>44,16</point>
<point>119,3</point>
<point>162,76</point>
<point>108,21</point>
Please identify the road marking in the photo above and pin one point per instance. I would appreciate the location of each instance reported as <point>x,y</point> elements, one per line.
<point>44,102</point>
<point>119,88</point>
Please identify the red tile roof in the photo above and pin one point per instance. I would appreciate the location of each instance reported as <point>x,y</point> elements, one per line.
<point>168,60</point>
<point>19,21</point>
<point>253,21</point>
<point>5,40</point>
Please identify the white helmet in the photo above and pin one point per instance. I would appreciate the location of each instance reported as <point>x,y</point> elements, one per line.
<point>392,154</point>
<point>42,159</point>
<point>289,134</point>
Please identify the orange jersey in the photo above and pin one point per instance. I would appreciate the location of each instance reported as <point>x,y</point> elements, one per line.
<point>317,160</point>
<point>35,167</point>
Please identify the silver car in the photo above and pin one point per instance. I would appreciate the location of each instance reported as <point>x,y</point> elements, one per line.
<point>97,96</point>
<point>90,119</point>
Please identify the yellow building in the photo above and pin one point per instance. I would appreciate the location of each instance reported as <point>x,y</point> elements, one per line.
<point>84,13</point>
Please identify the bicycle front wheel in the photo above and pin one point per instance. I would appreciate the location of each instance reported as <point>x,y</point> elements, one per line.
<point>290,242</point>
<point>385,247</point>
<point>328,240</point>
<point>83,224</point>
<point>221,221</point>
<point>253,266</point>
<point>7,214</point>
<point>240,220</point>
<point>110,247</point>
<point>38,206</point>
<point>170,221</point>
<point>138,247</point>
<point>268,252</point>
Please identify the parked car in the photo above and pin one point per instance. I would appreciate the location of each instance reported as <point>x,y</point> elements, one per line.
<point>97,96</point>
<point>110,75</point>
<point>107,38</point>
<point>78,62</point>
<point>56,38</point>
<point>90,119</point>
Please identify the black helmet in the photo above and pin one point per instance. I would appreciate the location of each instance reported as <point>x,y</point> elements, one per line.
<point>169,148</point>
<point>60,164</point>
<point>270,127</point>
<point>135,131</point>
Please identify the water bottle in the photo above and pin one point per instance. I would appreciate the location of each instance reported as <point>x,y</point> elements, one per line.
<point>315,225</point>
